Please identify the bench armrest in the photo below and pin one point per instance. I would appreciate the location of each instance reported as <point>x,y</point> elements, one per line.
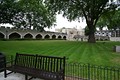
<point>9,60</point>
<point>10,63</point>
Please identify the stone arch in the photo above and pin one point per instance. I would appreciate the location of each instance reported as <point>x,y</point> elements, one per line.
<point>59,37</point>
<point>53,36</point>
<point>38,36</point>
<point>2,36</point>
<point>106,39</point>
<point>101,39</point>
<point>14,35</point>
<point>64,37</point>
<point>47,36</point>
<point>28,36</point>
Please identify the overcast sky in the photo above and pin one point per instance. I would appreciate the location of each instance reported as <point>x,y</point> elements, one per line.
<point>63,22</point>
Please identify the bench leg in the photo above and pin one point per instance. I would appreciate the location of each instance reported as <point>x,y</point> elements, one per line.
<point>26,77</point>
<point>5,73</point>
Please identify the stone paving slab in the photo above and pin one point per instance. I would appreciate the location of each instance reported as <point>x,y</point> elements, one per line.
<point>15,76</point>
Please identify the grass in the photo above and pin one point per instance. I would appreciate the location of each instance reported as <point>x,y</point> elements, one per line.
<point>98,54</point>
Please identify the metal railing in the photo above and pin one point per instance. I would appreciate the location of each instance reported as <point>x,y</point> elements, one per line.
<point>79,71</point>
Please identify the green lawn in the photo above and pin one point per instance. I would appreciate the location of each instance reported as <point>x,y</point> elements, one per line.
<point>99,53</point>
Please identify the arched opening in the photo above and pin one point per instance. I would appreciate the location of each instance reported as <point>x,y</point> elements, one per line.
<point>47,37</point>
<point>39,36</point>
<point>101,39</point>
<point>97,39</point>
<point>64,37</point>
<point>53,36</point>
<point>106,39</point>
<point>2,36</point>
<point>59,37</point>
<point>14,36</point>
<point>28,36</point>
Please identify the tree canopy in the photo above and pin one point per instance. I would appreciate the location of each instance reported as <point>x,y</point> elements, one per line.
<point>8,9</point>
<point>26,14</point>
<point>111,20</point>
<point>90,10</point>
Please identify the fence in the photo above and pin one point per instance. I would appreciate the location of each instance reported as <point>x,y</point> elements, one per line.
<point>79,71</point>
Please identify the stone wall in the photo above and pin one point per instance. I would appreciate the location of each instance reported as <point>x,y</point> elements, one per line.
<point>7,33</point>
<point>114,38</point>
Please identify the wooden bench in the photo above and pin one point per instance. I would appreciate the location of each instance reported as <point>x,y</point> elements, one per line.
<point>38,66</point>
<point>2,62</point>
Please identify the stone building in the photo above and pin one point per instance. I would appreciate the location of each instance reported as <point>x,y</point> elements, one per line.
<point>73,34</point>
<point>19,33</point>
<point>111,35</point>
<point>79,34</point>
<point>115,35</point>
<point>102,35</point>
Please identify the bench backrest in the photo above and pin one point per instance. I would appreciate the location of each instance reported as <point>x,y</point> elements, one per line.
<point>50,63</point>
<point>45,63</point>
<point>25,60</point>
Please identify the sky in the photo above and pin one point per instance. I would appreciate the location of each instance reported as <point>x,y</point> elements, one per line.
<point>63,22</point>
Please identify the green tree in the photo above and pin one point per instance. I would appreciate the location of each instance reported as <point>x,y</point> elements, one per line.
<point>26,14</point>
<point>34,15</point>
<point>101,23</point>
<point>110,19</point>
<point>91,10</point>
<point>8,8</point>
<point>86,31</point>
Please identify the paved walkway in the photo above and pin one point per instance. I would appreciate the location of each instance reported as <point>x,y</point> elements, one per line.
<point>14,76</point>
<point>17,76</point>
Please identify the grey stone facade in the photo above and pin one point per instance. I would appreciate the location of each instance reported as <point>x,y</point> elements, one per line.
<point>64,33</point>
<point>112,35</point>
<point>15,33</point>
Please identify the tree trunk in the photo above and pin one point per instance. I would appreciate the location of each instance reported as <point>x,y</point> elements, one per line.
<point>91,36</point>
